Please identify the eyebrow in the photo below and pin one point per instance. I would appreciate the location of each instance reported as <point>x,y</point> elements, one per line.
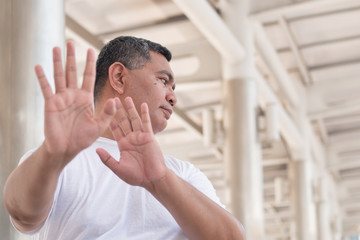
<point>170,76</point>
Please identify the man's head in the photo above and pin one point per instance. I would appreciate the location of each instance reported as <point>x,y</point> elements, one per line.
<point>139,68</point>
<point>132,52</point>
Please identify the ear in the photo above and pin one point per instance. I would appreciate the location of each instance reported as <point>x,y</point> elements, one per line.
<point>116,76</point>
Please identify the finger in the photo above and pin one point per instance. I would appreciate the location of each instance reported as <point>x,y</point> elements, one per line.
<point>122,120</point>
<point>89,72</point>
<point>117,167</point>
<point>108,160</point>
<point>116,130</point>
<point>71,77</point>
<point>133,115</point>
<point>104,119</point>
<point>59,77</point>
<point>44,84</point>
<point>145,117</point>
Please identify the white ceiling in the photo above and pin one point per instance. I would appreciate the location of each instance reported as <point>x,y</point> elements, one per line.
<point>317,42</point>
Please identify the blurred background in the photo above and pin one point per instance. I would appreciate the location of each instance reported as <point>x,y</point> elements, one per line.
<point>268,98</point>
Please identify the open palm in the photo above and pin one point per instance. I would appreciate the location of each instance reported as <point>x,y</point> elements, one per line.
<point>70,125</point>
<point>141,161</point>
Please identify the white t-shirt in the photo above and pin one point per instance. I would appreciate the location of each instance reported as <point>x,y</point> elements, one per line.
<point>91,202</point>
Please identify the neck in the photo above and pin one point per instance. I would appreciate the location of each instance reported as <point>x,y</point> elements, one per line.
<point>107,134</point>
<point>98,110</point>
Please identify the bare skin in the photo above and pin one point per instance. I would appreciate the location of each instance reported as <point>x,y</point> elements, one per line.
<point>70,126</point>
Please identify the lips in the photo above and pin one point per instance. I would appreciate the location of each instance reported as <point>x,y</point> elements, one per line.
<point>167,112</point>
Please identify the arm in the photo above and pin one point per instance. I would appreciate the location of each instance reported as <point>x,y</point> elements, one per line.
<point>30,188</point>
<point>69,127</point>
<point>141,163</point>
<point>198,216</point>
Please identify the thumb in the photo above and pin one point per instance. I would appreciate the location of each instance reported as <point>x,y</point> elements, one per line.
<point>107,159</point>
<point>110,108</point>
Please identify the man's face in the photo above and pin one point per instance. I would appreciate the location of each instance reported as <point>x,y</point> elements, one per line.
<point>153,84</point>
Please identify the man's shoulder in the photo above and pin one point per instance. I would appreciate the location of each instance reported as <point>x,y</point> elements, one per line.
<point>180,167</point>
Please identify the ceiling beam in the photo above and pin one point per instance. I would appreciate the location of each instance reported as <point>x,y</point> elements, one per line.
<point>167,21</point>
<point>302,9</point>
<point>330,112</point>
<point>83,33</point>
<point>325,42</point>
<point>334,64</point>
<point>210,24</point>
<point>274,63</point>
<point>345,165</point>
<point>295,49</point>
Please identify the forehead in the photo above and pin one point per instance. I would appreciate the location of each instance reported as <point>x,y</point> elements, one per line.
<point>158,62</point>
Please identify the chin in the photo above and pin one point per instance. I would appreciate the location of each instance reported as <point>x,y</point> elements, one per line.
<point>159,127</point>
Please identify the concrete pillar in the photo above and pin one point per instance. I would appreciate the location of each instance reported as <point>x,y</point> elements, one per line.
<point>29,30</point>
<point>300,197</point>
<point>334,206</point>
<point>323,211</point>
<point>242,150</point>
<point>301,171</point>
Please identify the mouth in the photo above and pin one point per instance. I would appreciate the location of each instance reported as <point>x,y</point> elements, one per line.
<point>167,112</point>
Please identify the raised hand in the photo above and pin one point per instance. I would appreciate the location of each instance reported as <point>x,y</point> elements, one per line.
<point>141,161</point>
<point>70,125</point>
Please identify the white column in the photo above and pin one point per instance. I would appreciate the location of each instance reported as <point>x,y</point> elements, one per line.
<point>334,208</point>
<point>301,175</point>
<point>242,150</point>
<point>300,197</point>
<point>323,211</point>
<point>29,30</point>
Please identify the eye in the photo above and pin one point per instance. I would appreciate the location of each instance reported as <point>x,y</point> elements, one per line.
<point>163,80</point>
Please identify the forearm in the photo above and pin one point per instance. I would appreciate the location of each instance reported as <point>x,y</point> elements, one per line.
<point>30,188</point>
<point>197,215</point>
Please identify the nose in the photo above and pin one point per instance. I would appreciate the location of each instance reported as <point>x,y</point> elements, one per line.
<point>171,98</point>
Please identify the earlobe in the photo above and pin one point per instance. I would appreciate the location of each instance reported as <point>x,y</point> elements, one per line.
<point>116,77</point>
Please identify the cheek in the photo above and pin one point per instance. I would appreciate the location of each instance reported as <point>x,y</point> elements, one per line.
<point>157,88</point>
<point>149,91</point>
<point>157,91</point>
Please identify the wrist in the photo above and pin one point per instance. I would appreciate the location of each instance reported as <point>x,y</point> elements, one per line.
<point>53,160</point>
<point>162,185</point>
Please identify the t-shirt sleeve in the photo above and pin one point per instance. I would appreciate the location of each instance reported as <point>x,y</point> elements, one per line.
<point>195,177</point>
<point>29,233</point>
